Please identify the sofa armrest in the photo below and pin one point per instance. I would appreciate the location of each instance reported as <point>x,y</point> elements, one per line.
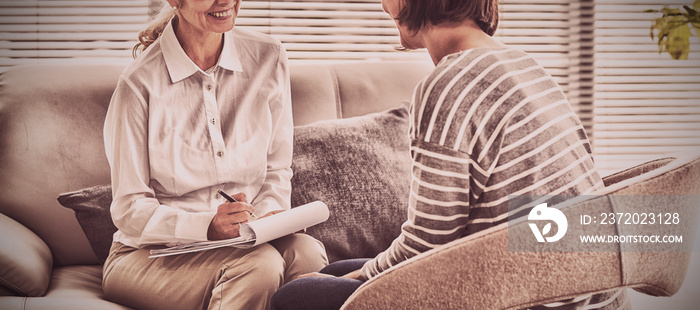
<point>25,260</point>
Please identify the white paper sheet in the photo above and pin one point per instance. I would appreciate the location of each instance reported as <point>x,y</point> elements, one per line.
<point>260,231</point>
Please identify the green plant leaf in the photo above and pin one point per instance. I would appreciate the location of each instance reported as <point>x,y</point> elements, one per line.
<point>673,29</point>
<point>677,43</point>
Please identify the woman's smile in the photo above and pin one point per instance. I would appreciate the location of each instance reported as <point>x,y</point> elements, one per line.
<point>226,14</point>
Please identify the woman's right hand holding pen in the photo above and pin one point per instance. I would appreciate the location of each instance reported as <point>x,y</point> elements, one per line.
<point>229,217</point>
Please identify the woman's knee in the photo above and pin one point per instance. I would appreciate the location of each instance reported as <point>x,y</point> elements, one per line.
<point>301,247</point>
<point>320,293</point>
<point>302,254</point>
<point>263,265</point>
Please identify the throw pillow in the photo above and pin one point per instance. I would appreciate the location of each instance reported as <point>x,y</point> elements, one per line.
<point>91,207</point>
<point>360,167</point>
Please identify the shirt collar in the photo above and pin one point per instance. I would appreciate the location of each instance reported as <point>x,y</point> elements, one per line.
<point>179,64</point>
<point>229,54</point>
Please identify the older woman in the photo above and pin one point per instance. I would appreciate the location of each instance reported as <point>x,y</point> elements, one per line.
<point>203,107</point>
<point>487,123</point>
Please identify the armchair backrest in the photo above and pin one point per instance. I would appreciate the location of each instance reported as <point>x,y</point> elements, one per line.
<point>480,272</point>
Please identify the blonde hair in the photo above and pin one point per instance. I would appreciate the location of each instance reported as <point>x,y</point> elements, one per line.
<point>154,29</point>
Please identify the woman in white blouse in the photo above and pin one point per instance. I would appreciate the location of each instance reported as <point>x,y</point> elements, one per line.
<point>204,106</point>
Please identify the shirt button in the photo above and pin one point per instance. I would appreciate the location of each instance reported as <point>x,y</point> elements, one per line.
<point>220,153</point>
<point>213,121</point>
<point>208,87</point>
<point>216,196</point>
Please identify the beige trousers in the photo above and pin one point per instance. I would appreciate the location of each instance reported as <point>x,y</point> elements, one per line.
<point>223,278</point>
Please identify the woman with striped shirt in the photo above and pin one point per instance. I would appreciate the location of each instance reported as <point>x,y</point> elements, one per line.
<point>487,123</point>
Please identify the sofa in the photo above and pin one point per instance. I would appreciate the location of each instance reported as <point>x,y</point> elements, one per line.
<point>350,151</point>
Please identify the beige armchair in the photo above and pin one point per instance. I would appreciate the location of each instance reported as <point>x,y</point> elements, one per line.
<point>484,274</point>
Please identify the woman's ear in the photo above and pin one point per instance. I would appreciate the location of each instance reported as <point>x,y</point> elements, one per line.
<point>238,7</point>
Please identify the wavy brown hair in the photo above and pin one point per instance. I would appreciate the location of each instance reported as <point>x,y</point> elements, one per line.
<point>154,29</point>
<point>417,14</point>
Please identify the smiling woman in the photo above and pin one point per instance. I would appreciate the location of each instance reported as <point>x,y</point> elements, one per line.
<point>189,117</point>
<point>198,19</point>
<point>206,17</point>
<point>200,25</point>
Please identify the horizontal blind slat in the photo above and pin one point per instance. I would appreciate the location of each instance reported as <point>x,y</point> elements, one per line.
<point>647,105</point>
<point>309,29</point>
<point>63,31</point>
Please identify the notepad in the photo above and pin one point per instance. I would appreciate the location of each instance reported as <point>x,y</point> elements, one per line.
<point>259,231</point>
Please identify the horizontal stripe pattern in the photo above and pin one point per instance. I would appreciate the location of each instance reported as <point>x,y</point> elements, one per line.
<point>486,124</point>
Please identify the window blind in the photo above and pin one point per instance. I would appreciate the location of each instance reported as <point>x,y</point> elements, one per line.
<point>328,31</point>
<point>557,33</point>
<point>647,105</point>
<point>35,31</point>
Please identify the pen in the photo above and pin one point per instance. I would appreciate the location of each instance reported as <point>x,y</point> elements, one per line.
<point>231,199</point>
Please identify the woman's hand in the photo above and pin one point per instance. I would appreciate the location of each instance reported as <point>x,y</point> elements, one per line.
<point>354,275</point>
<point>315,274</point>
<point>229,217</point>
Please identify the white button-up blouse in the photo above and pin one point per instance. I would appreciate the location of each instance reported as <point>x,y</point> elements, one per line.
<point>174,134</point>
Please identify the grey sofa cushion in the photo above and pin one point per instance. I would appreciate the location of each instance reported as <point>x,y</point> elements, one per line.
<point>91,207</point>
<point>360,167</point>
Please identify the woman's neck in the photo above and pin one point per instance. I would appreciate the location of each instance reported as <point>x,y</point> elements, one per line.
<point>202,48</point>
<point>450,38</point>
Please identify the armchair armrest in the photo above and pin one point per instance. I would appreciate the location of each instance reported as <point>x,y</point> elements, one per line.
<point>480,272</point>
<point>25,260</point>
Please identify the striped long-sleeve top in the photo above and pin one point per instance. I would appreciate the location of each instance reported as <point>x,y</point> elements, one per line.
<point>485,124</point>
